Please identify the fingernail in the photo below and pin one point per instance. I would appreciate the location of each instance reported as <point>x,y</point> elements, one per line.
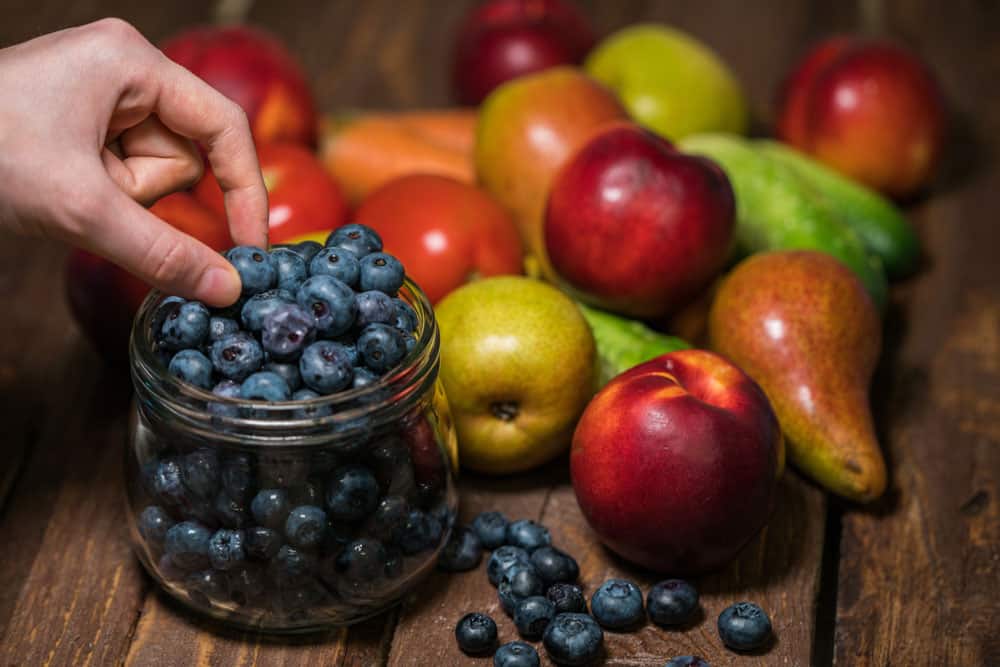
<point>219,286</point>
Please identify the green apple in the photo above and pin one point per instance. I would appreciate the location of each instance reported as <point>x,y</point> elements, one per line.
<point>669,81</point>
<point>518,364</point>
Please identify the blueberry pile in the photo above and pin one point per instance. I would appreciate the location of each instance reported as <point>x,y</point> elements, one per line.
<point>312,320</point>
<point>536,587</point>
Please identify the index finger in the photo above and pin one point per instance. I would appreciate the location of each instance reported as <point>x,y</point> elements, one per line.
<point>190,107</point>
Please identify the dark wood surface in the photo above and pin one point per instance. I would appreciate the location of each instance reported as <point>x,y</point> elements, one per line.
<point>914,580</point>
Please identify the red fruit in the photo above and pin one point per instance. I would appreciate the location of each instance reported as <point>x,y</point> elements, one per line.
<point>674,463</point>
<point>302,197</point>
<point>869,109</point>
<point>255,70</point>
<point>443,231</point>
<point>504,39</point>
<point>636,227</point>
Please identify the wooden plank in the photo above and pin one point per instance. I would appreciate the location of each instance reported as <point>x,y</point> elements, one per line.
<point>920,574</point>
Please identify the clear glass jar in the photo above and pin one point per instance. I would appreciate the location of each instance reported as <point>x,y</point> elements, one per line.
<point>319,547</point>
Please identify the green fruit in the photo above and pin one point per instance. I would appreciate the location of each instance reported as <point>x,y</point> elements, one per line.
<point>669,81</point>
<point>624,343</point>
<point>775,210</point>
<point>518,365</point>
<point>881,226</point>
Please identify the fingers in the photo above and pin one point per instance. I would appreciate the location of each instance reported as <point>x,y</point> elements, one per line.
<point>149,161</point>
<point>190,107</point>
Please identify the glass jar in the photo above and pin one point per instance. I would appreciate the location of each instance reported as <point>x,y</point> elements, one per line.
<point>290,517</point>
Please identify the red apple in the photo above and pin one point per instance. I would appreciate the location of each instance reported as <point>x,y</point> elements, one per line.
<point>302,197</point>
<point>504,39</point>
<point>256,71</point>
<point>675,462</point>
<point>869,109</point>
<point>445,232</point>
<point>635,226</point>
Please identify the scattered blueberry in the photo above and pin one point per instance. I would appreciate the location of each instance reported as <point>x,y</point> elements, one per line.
<point>200,469</point>
<point>491,527</point>
<point>192,367</point>
<point>262,543</point>
<point>362,560</point>
<point>254,266</point>
<point>237,355</point>
<point>305,526</point>
<point>331,303</point>
<point>528,535</point>
<point>462,552</point>
<point>220,327</point>
<point>187,545</point>
<point>672,602</point>
<point>286,331</point>
<point>617,604</point>
<point>744,626</point>
<point>516,654</point>
<point>359,239</point>
<point>554,565</point>
<point>352,493</point>
<point>186,326</point>
<point>687,661</point>
<point>567,598</point>
<point>406,317</point>
<point>265,386</point>
<point>381,271</point>
<point>573,639</point>
<point>504,558</point>
<point>290,267</point>
<point>381,346</point>
<point>225,549</point>
<point>337,263</point>
<point>375,307</point>
<point>258,307</point>
<point>532,615</point>
<point>518,583</point>
<point>288,372</point>
<point>326,367</point>
<point>154,522</point>
<point>476,634</point>
<point>270,508</point>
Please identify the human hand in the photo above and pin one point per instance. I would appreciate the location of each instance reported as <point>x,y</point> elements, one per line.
<point>97,121</point>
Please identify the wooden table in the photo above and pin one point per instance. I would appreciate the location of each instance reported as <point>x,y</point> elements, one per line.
<point>913,580</point>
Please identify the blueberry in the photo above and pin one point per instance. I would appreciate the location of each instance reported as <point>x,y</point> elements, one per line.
<point>262,543</point>
<point>259,306</point>
<point>406,317</point>
<point>305,526</point>
<point>409,341</point>
<point>554,565</point>
<point>687,661</point>
<point>744,626</point>
<point>265,386</point>
<point>312,411</point>
<point>476,634</point>
<point>295,597</point>
<point>186,326</point>
<point>290,267</point>
<point>230,513</point>
<point>237,476</point>
<point>516,654</point>
<point>381,271</point>
<point>462,552</point>
<point>389,518</point>
<point>187,544</point>
<point>207,586</point>
<point>672,602</point>
<point>154,522</point>
<point>573,639</point>
<point>237,355</point>
<point>617,604</point>
<point>306,493</point>
<point>337,263</point>
<point>359,239</point>
<point>491,528</point>
<point>381,347</point>
<point>291,566</point>
<point>391,463</point>
<point>201,471</point>
<point>375,306</point>
<point>528,535</point>
<point>532,615</point>
<point>363,378</point>
<point>282,468</point>
<point>362,560</point>
<point>326,367</point>
<point>567,598</point>
<point>227,389</point>
<point>393,563</point>
<point>306,250</point>
<point>225,549</point>
<point>352,493</point>
<point>246,583</point>
<point>168,570</point>
<point>166,309</point>
<point>417,533</point>
<point>518,583</point>
<point>254,266</point>
<point>220,327</point>
<point>270,508</point>
<point>350,348</point>
<point>286,331</point>
<point>192,367</point>
<point>288,372</point>
<point>331,303</point>
<point>502,559</point>
<point>167,482</point>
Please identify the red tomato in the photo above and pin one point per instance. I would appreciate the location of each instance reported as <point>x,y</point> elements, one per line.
<point>443,231</point>
<point>302,196</point>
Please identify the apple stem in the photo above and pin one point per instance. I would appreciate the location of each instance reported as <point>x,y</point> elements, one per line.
<point>505,410</point>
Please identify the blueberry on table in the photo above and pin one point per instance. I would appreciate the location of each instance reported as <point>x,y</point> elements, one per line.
<point>359,239</point>
<point>375,307</point>
<point>554,565</point>
<point>220,327</point>
<point>192,367</point>
<point>288,372</point>
<point>237,476</point>
<point>206,586</point>
<point>337,263</point>
<point>744,626</point>
<point>381,271</point>
<point>352,493</point>
<point>573,639</point>
<point>532,615</point>
<point>567,598</point>
<point>154,522</point>
<point>617,604</point>
<point>237,355</point>
<point>186,326</point>
<point>305,526</point>
<point>516,654</point>
<point>286,331</point>
<point>462,552</point>
<point>254,265</point>
<point>201,471</point>
<point>225,549</point>
<point>476,634</point>
<point>491,528</point>
<point>270,508</point>
<point>502,559</point>
<point>326,367</point>
<point>265,386</point>
<point>259,306</point>
<point>528,534</point>
<point>687,661</point>
<point>518,583</point>
<point>362,560</point>
<point>306,250</point>
<point>262,543</point>
<point>187,545</point>
<point>331,303</point>
<point>230,513</point>
<point>291,269</point>
<point>381,347</point>
<point>671,602</point>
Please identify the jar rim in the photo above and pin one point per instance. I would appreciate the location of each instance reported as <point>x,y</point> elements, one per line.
<point>263,421</point>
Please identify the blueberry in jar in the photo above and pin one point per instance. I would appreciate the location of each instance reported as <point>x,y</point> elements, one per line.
<point>206,586</point>
<point>390,518</point>
<point>362,560</point>
<point>381,271</point>
<point>418,532</point>
<point>491,528</point>
<point>262,543</point>
<point>617,604</point>
<point>257,273</point>
<point>306,250</point>
<point>237,476</point>
<point>237,355</point>
<point>286,331</point>
<point>166,482</point>
<point>363,378</point>
<point>246,583</point>
<point>192,367</point>
<point>528,534</point>
<point>352,493</point>
<point>573,639</point>
<point>259,306</point>
<point>310,411</point>
<point>154,522</point>
<point>187,545</point>
<point>290,267</point>
<point>326,367</point>
<point>406,317</point>
<point>270,508</point>
<point>359,239</point>
<point>381,347</point>
<point>375,307</point>
<point>567,598</point>
<point>462,552</point>
<point>291,566</point>
<point>288,372</point>
<point>230,513</point>
<point>265,386</point>
<point>200,470</point>
<point>516,654</point>
<point>476,634</point>
<point>672,602</point>
<point>186,326</point>
<point>337,263</point>
<point>331,302</point>
<point>305,526</point>
<point>220,327</point>
<point>225,549</point>
<point>744,626</point>
<point>554,565</point>
<point>502,559</point>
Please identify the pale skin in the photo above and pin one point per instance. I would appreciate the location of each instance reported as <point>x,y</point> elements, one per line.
<point>96,124</point>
